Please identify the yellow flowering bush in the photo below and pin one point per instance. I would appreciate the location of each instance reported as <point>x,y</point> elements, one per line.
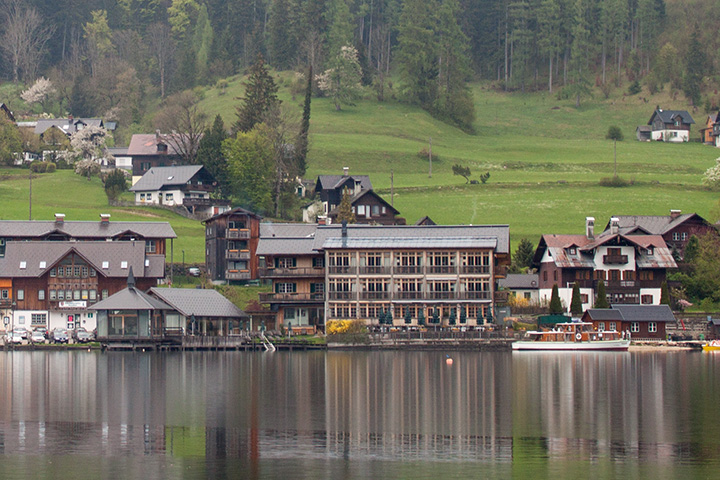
<point>335,327</point>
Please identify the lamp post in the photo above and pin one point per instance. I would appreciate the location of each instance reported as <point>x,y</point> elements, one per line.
<point>183,252</point>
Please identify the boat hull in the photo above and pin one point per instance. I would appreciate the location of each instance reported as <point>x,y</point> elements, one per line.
<point>605,345</point>
<point>711,348</point>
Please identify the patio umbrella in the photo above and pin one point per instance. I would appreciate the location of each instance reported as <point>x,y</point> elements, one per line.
<point>421,318</point>
<point>408,318</point>
<point>463,315</point>
<point>452,318</point>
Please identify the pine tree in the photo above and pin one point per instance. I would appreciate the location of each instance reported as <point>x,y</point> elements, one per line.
<point>556,307</point>
<point>302,142</point>
<point>522,259</point>
<point>210,152</point>
<point>115,185</point>
<point>576,303</point>
<point>601,301</point>
<point>345,209</point>
<point>664,294</point>
<point>260,97</point>
<point>282,48</point>
<point>694,70</point>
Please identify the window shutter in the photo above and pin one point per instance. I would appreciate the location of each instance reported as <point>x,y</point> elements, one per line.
<point>277,288</point>
<point>277,262</point>
<point>294,264</point>
<point>294,287</point>
<point>312,288</point>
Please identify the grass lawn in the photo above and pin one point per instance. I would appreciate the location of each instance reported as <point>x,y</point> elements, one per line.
<point>79,199</point>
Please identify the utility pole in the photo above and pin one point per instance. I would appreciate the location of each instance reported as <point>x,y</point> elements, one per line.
<point>30,199</point>
<point>392,189</point>
<point>430,158</point>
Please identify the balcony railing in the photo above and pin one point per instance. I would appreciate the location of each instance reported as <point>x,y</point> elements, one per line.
<point>440,295</point>
<point>501,296</point>
<point>342,270</point>
<point>408,295</point>
<point>292,272</point>
<point>475,269</point>
<point>374,295</point>
<point>615,259</point>
<point>342,295</point>
<point>408,270</point>
<point>237,274</point>
<point>374,270</point>
<point>441,269</point>
<point>238,233</point>
<point>291,297</point>
<point>238,255</point>
<point>483,295</point>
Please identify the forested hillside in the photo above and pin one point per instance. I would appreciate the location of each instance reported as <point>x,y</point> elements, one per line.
<point>117,58</point>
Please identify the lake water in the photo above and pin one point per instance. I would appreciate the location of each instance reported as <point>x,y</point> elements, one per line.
<point>342,415</point>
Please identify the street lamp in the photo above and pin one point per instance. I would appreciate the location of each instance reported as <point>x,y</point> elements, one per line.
<point>183,258</point>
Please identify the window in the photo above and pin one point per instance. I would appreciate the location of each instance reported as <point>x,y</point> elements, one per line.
<point>683,236</point>
<point>289,313</point>
<point>545,276</point>
<point>646,299</point>
<point>84,294</point>
<point>376,210</point>
<point>104,294</point>
<point>21,294</point>
<point>76,271</point>
<point>92,295</point>
<point>60,294</point>
<point>285,288</point>
<point>4,294</point>
<point>635,327</point>
<point>53,272</point>
<point>168,197</point>
<point>41,294</point>
<point>61,271</point>
<point>583,298</point>
<point>652,327</point>
<point>84,271</point>
<point>123,265</point>
<point>572,251</point>
<point>318,262</point>
<point>53,295</point>
<point>76,294</point>
<point>613,326</point>
<point>92,272</point>
<point>614,275</point>
<point>361,209</point>
<point>285,262</point>
<point>150,246</point>
<point>2,247</point>
<point>676,236</point>
<point>645,275</point>
<point>555,275</point>
<point>527,295</point>
<point>601,326</point>
<point>38,319</point>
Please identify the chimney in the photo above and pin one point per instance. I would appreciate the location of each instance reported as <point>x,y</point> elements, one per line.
<point>614,225</point>
<point>158,138</point>
<point>321,220</point>
<point>590,227</point>
<point>346,171</point>
<point>104,218</point>
<point>59,217</point>
<point>344,228</point>
<point>675,213</point>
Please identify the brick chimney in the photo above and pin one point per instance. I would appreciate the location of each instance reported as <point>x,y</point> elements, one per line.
<point>322,220</point>
<point>59,217</point>
<point>104,219</point>
<point>675,213</point>
<point>614,226</point>
<point>590,227</point>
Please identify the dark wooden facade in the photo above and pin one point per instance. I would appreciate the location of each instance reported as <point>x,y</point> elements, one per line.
<point>231,240</point>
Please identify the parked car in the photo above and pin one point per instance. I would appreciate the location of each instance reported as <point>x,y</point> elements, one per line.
<point>60,335</point>
<point>38,336</point>
<point>42,330</point>
<point>194,271</point>
<point>81,335</point>
<point>13,337</point>
<point>22,331</point>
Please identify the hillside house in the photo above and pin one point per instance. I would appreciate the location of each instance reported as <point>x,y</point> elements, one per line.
<point>708,132</point>
<point>522,285</point>
<point>148,151</point>
<point>189,186</point>
<point>670,125</point>
<point>642,321</point>
<point>675,229</point>
<point>632,266</point>
<point>231,240</point>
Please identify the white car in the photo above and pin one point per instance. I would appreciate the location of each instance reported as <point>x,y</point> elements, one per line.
<point>22,331</point>
<point>14,337</point>
<point>38,336</point>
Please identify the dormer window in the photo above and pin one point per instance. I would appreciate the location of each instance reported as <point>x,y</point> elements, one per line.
<point>650,250</point>
<point>162,147</point>
<point>572,251</point>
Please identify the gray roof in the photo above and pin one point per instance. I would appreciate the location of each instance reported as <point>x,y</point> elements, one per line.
<point>286,246</point>
<point>117,151</point>
<point>604,314</point>
<point>667,116</point>
<point>645,313</point>
<point>501,233</point>
<point>287,230</point>
<point>198,302</point>
<point>331,182</point>
<point>410,242</point>
<point>110,259</point>
<point>520,281</point>
<point>67,125</point>
<point>84,229</point>
<point>650,224</point>
<point>158,177</point>
<point>130,298</point>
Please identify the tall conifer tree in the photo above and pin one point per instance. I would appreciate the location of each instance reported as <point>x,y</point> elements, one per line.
<point>260,97</point>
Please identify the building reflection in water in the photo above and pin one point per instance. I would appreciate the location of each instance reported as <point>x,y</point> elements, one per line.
<point>263,409</point>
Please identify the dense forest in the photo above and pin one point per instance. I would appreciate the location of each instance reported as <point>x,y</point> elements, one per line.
<point>110,58</point>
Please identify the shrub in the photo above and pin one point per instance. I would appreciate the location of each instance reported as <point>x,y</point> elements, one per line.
<point>51,167</point>
<point>339,327</point>
<point>38,167</point>
<point>634,88</point>
<point>615,182</point>
<point>423,154</point>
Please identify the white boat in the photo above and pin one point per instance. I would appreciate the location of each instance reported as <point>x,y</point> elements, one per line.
<point>573,336</point>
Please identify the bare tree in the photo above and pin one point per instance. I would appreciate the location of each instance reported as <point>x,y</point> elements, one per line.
<point>182,124</point>
<point>24,39</point>
<point>162,46</point>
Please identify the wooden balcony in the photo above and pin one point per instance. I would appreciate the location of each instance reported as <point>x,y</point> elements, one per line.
<point>292,272</point>
<point>615,259</point>
<point>375,270</point>
<point>237,254</point>
<point>501,296</point>
<point>5,303</point>
<point>342,295</point>
<point>291,297</point>
<point>408,270</point>
<point>374,295</point>
<point>475,269</point>
<point>342,270</point>
<point>408,295</point>
<point>441,269</point>
<point>484,295</point>
<point>441,295</point>
<point>237,274</point>
<point>238,233</point>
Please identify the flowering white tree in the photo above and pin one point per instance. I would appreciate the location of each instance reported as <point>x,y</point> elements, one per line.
<point>712,175</point>
<point>39,92</point>
<point>88,146</point>
<point>342,81</point>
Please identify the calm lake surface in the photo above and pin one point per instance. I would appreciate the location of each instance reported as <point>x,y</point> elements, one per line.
<point>342,415</point>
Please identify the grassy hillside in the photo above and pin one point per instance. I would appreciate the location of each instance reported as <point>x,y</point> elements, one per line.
<point>545,157</point>
<point>80,199</point>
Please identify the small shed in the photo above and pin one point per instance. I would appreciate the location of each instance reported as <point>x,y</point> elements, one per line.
<point>644,133</point>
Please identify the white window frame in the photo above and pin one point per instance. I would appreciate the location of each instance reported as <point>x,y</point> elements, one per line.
<point>652,327</point>
<point>635,327</point>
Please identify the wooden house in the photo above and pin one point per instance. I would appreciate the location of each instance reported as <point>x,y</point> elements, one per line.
<point>708,132</point>
<point>640,321</point>
<point>148,151</point>
<point>670,125</point>
<point>231,240</point>
<point>189,186</point>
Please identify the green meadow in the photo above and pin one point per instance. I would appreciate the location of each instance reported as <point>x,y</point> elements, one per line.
<point>545,158</point>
